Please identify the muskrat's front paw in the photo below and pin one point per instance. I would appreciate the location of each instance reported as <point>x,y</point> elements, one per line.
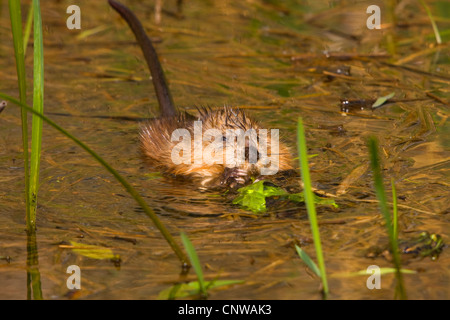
<point>234,176</point>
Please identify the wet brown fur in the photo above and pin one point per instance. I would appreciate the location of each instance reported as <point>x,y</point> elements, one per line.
<point>156,144</point>
<point>155,135</point>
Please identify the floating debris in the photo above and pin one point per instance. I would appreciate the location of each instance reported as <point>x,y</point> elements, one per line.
<point>356,105</point>
<point>2,106</point>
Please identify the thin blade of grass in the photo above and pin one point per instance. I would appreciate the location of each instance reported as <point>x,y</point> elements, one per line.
<point>433,23</point>
<point>16,27</point>
<point>38,106</point>
<point>382,201</point>
<point>27,32</point>
<point>195,262</point>
<point>148,211</point>
<point>309,201</point>
<point>307,260</point>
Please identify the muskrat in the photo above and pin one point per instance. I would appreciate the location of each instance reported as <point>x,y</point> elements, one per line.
<point>229,127</point>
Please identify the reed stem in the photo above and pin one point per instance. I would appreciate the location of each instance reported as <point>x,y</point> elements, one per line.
<point>16,27</point>
<point>310,206</point>
<point>38,106</point>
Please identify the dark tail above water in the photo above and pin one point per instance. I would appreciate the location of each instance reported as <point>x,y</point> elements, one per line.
<point>159,81</point>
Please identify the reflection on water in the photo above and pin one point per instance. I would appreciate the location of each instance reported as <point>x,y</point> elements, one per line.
<point>34,289</point>
<point>279,61</point>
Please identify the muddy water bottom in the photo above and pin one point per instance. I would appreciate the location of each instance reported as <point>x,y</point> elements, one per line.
<point>257,250</point>
<point>269,60</point>
<point>234,245</point>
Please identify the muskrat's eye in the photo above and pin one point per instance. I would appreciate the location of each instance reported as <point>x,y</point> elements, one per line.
<point>224,138</point>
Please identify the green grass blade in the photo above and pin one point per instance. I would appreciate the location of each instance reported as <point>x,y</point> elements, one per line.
<point>38,106</point>
<point>16,27</point>
<point>378,183</point>
<point>307,260</point>
<point>433,23</point>
<point>193,257</point>
<point>148,211</point>
<point>381,195</point>
<point>309,200</point>
<point>26,36</point>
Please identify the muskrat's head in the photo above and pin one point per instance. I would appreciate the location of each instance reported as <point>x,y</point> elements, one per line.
<point>241,145</point>
<point>223,145</point>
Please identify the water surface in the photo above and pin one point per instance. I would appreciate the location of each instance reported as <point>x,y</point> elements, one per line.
<point>272,59</point>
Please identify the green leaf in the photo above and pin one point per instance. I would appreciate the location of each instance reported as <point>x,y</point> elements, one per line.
<point>91,251</point>
<point>253,197</point>
<point>308,261</point>
<point>192,288</point>
<point>193,257</point>
<point>381,100</point>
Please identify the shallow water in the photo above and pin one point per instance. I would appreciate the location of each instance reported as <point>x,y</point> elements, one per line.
<point>259,55</point>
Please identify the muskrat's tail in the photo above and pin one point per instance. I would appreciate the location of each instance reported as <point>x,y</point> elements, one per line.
<point>159,81</point>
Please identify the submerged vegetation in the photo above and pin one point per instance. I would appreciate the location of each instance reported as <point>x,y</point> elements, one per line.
<point>279,70</point>
<point>197,288</point>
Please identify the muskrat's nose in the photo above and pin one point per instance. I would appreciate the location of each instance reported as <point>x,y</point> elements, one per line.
<point>251,155</point>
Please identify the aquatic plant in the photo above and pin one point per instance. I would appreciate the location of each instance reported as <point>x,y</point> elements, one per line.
<point>16,29</point>
<point>32,176</point>
<point>383,204</point>
<point>310,206</point>
<point>253,197</point>
<point>193,288</point>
